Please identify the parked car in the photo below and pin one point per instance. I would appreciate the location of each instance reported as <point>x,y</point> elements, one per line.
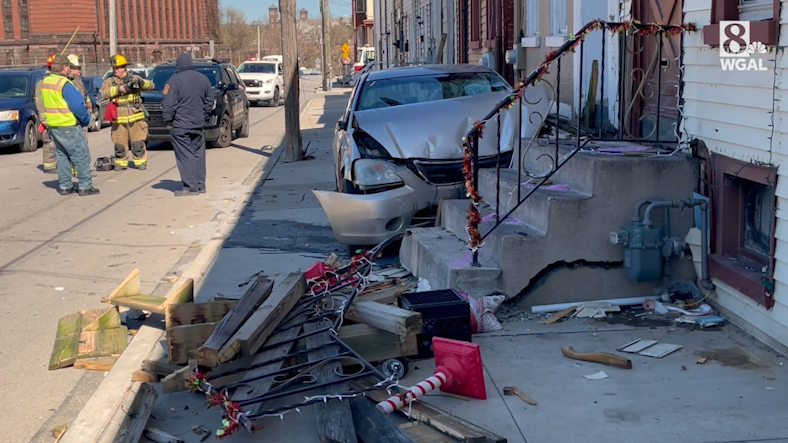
<point>230,112</point>
<point>264,81</point>
<point>93,87</point>
<point>18,119</point>
<point>398,147</point>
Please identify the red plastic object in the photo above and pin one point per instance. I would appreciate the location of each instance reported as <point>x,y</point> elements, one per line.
<point>41,128</point>
<point>462,363</point>
<point>316,270</point>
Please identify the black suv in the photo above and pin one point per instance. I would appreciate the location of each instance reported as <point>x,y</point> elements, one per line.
<point>230,113</point>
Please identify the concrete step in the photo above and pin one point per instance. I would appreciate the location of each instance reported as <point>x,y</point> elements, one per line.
<point>444,260</point>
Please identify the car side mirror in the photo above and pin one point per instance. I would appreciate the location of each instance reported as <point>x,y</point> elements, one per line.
<point>342,125</point>
<point>231,87</point>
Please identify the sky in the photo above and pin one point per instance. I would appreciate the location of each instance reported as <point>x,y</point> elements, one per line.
<point>255,9</point>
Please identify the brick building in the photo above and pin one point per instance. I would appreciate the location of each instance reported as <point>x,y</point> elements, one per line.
<point>148,30</point>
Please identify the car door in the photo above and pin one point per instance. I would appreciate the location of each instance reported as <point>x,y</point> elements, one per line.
<point>230,96</point>
<point>243,98</point>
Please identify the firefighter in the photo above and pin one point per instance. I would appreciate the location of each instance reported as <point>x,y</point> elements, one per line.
<point>50,157</point>
<point>125,111</point>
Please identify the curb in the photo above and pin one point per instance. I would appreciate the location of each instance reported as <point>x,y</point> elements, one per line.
<point>103,417</point>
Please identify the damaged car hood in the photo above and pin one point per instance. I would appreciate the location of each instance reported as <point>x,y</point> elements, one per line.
<point>434,130</point>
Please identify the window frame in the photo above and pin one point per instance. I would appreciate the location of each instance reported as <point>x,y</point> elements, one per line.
<point>557,19</point>
<point>532,18</point>
<point>728,230</point>
<point>475,28</point>
<point>764,31</point>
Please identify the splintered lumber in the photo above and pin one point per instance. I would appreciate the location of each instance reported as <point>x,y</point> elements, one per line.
<point>252,334</point>
<point>387,295</point>
<point>386,317</point>
<point>598,357</point>
<point>559,315</point>
<point>196,313</point>
<point>159,436</point>
<point>87,334</point>
<point>159,368</point>
<point>448,424</point>
<point>133,414</point>
<point>178,380</point>
<point>128,295</point>
<point>64,353</point>
<point>102,342</point>
<point>423,433</point>
<point>371,425</point>
<point>377,345</point>
<point>144,377</point>
<point>96,364</point>
<point>334,419</point>
<point>258,292</point>
<point>182,339</point>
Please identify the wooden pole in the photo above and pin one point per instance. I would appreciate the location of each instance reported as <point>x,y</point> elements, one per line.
<point>293,150</point>
<point>325,15</point>
<point>69,41</point>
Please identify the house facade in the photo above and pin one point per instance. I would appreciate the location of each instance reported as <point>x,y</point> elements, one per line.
<point>363,21</point>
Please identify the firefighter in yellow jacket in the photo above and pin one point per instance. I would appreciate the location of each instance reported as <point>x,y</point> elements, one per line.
<point>129,128</point>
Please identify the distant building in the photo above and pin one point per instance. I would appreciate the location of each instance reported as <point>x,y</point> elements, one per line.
<point>273,14</point>
<point>147,31</point>
<point>303,14</point>
<point>363,21</point>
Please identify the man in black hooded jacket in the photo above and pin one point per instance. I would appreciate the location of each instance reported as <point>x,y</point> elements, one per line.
<point>188,100</point>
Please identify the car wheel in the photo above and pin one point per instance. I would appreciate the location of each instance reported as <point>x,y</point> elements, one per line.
<point>225,133</point>
<point>275,101</point>
<point>243,131</point>
<point>31,140</point>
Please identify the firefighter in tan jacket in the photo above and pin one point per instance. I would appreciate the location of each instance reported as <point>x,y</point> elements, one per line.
<point>129,128</point>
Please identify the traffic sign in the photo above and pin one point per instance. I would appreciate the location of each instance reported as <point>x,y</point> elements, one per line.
<point>345,48</point>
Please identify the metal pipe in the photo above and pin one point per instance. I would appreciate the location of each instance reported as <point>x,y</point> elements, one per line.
<point>615,301</point>
<point>639,206</point>
<point>704,243</point>
<point>659,204</point>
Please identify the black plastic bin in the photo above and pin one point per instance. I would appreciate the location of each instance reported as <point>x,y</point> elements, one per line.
<point>444,313</point>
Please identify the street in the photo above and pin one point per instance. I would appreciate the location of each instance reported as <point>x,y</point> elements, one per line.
<point>63,254</point>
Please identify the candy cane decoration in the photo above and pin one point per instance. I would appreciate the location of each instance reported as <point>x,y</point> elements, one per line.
<point>430,384</point>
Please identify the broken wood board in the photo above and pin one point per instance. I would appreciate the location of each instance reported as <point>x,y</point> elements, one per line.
<point>386,317</point>
<point>185,338</point>
<point>159,436</point>
<point>649,348</point>
<point>334,420</point>
<point>195,313</point>
<point>377,345</point>
<point>258,292</point>
<point>178,380</point>
<point>144,377</point>
<point>559,315</point>
<point>130,419</point>
<point>372,426</point>
<point>71,343</point>
<point>388,295</point>
<point>422,412</point>
<point>249,338</point>
<point>424,433</point>
<point>159,368</point>
<point>96,364</point>
<point>128,295</point>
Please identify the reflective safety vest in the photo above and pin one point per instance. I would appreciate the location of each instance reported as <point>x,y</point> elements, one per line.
<point>56,112</point>
<point>130,108</point>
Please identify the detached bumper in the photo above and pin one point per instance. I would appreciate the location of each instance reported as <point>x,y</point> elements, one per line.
<point>265,92</point>
<point>373,218</point>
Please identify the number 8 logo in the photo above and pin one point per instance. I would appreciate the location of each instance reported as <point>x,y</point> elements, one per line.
<point>734,43</point>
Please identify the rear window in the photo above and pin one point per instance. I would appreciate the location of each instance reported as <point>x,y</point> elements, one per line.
<point>258,68</point>
<point>426,88</point>
<point>160,76</point>
<point>13,85</point>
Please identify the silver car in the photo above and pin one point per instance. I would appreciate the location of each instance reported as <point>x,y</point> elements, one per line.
<point>398,147</point>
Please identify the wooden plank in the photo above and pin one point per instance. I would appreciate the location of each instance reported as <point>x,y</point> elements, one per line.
<point>195,313</point>
<point>96,364</point>
<point>102,343</point>
<point>438,419</point>
<point>134,416</point>
<point>129,286</point>
<point>143,377</point>
<point>64,353</point>
<point>182,339</point>
<point>388,318</point>
<point>334,419</point>
<point>252,334</point>
<point>371,343</point>
<point>423,433</point>
<point>388,295</point>
<point>258,292</point>
<point>143,302</point>
<point>372,426</point>
<point>177,381</point>
<point>160,368</point>
<point>590,111</point>
<point>107,319</point>
<point>184,294</point>
<point>559,315</point>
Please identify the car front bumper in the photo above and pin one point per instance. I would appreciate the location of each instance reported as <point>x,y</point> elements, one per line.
<point>372,218</point>
<point>157,132</point>
<point>265,92</point>
<point>10,133</point>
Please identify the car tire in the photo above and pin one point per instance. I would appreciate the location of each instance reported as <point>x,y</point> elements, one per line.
<point>275,100</point>
<point>243,131</point>
<point>30,143</point>
<point>225,133</point>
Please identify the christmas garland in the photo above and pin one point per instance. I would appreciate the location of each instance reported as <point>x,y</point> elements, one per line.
<point>473,216</point>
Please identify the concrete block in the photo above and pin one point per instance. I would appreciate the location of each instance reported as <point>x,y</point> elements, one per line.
<point>445,261</point>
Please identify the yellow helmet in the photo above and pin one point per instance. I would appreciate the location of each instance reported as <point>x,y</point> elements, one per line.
<point>118,61</point>
<point>75,60</point>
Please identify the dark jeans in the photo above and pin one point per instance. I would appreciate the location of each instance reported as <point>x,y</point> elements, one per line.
<point>71,147</point>
<point>189,147</point>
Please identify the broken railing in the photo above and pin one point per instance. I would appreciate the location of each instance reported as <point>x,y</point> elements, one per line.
<point>636,42</point>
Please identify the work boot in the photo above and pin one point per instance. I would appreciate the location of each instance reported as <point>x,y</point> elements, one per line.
<point>142,166</point>
<point>185,192</point>
<point>89,191</point>
<point>50,171</point>
<point>202,191</point>
<point>68,191</point>
<point>119,168</point>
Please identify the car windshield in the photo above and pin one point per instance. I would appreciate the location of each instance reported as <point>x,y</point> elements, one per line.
<point>426,88</point>
<point>258,68</point>
<point>13,86</point>
<point>160,76</point>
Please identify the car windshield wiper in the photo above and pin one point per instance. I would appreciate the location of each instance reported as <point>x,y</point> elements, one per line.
<point>390,101</point>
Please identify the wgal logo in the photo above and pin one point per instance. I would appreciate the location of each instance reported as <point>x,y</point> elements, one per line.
<point>736,50</point>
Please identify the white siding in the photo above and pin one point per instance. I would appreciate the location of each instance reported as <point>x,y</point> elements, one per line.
<point>730,112</point>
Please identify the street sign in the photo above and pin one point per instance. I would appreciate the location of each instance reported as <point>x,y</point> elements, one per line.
<point>345,48</point>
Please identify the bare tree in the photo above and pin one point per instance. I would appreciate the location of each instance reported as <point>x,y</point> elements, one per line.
<point>235,34</point>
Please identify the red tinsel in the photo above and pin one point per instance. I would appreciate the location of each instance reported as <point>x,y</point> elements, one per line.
<point>196,379</point>
<point>634,26</point>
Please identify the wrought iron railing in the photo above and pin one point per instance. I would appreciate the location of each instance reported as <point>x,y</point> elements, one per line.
<point>634,81</point>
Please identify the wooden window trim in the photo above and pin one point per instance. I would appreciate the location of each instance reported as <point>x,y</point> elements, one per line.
<point>475,13</point>
<point>764,31</point>
<point>728,254</point>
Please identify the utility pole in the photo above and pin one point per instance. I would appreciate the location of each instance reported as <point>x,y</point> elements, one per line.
<point>258,42</point>
<point>113,28</point>
<point>326,16</point>
<point>293,150</point>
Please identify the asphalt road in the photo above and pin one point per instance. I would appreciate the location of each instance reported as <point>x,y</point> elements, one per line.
<point>59,255</point>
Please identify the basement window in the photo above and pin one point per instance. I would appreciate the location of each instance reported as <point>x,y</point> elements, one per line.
<point>743,222</point>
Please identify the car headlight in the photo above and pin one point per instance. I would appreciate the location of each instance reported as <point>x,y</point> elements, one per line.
<point>374,173</point>
<point>267,82</point>
<point>7,116</point>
